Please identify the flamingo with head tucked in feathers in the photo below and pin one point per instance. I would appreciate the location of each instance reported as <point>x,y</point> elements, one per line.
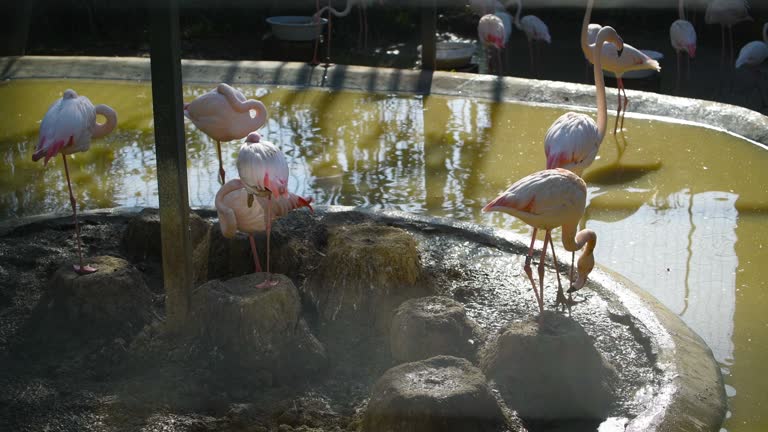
<point>235,213</point>
<point>546,200</point>
<point>755,52</point>
<point>535,30</point>
<point>224,114</point>
<point>630,60</point>
<point>727,13</point>
<point>67,128</point>
<point>264,173</point>
<point>682,35</point>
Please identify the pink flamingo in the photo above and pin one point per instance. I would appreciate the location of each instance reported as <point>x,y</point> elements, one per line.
<point>493,30</point>
<point>236,215</point>
<point>534,28</point>
<point>630,60</point>
<point>727,13</point>
<point>331,10</point>
<point>573,140</point>
<point>225,115</point>
<point>546,200</point>
<point>683,38</point>
<point>67,128</point>
<point>263,173</point>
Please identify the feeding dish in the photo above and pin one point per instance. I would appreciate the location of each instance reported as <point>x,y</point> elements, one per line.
<point>452,55</point>
<point>296,28</point>
<point>638,74</point>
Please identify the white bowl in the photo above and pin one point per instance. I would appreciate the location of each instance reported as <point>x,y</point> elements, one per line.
<point>296,28</point>
<point>452,55</point>
<point>643,73</point>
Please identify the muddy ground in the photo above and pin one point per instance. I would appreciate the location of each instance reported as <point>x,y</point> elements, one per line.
<point>65,375</point>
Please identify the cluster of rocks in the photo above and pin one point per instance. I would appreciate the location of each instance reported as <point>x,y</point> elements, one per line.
<point>357,282</point>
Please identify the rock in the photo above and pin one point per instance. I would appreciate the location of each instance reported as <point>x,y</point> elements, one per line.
<point>257,328</point>
<point>549,369</point>
<point>442,393</point>
<point>229,258</point>
<point>141,241</point>
<point>431,326</point>
<point>367,272</point>
<point>113,296</point>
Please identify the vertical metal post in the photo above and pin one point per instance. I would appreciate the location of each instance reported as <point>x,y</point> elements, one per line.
<point>170,151</point>
<point>428,34</point>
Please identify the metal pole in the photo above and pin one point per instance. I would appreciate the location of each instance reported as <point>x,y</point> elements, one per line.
<point>170,151</point>
<point>428,35</point>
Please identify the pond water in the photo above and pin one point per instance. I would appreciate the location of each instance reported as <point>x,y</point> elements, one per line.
<point>680,210</point>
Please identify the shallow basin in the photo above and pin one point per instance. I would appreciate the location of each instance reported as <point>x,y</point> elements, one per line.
<point>296,28</point>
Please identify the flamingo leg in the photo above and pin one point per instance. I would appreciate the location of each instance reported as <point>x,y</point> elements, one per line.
<point>255,254</point>
<point>626,102</point>
<point>328,55</point>
<point>501,63</point>
<point>527,268</point>
<point>687,66</point>
<point>542,258</point>
<point>530,54</point>
<point>677,80</point>
<point>221,164</point>
<point>317,41</point>
<point>81,269</point>
<point>618,107</point>
<point>560,296</point>
<point>722,46</point>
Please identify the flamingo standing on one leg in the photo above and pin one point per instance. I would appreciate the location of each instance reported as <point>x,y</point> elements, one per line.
<point>236,215</point>
<point>546,200</point>
<point>573,140</point>
<point>67,128</point>
<point>683,38</point>
<point>224,114</point>
<point>631,59</point>
<point>264,173</point>
<point>493,30</point>
<point>535,30</point>
<point>727,13</point>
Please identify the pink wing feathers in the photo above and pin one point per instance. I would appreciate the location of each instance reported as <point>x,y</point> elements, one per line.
<point>66,127</point>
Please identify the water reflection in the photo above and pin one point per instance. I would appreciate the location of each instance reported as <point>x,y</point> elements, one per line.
<point>668,201</point>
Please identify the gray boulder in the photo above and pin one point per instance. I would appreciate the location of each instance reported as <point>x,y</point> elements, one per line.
<point>430,326</point>
<point>547,368</point>
<point>445,394</point>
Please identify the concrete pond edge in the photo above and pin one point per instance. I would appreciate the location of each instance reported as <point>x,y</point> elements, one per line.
<point>691,394</point>
<point>736,120</point>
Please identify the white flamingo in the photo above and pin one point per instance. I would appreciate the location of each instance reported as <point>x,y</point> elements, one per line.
<point>224,114</point>
<point>534,28</point>
<point>264,173</point>
<point>682,35</point>
<point>727,13</point>
<point>493,30</point>
<point>630,60</point>
<point>67,128</point>
<point>755,52</point>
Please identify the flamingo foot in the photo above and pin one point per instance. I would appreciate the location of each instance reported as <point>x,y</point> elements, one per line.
<point>268,283</point>
<point>84,270</point>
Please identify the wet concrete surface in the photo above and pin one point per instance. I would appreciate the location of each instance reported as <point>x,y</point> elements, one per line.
<point>71,377</point>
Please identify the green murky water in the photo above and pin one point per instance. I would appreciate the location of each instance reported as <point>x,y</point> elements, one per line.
<point>680,210</point>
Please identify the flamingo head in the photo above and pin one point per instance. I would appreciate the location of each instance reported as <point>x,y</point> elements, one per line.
<point>305,202</point>
<point>583,268</point>
<point>253,137</point>
<point>69,94</point>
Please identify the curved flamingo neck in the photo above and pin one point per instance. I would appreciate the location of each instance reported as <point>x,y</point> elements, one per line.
<point>227,219</point>
<point>681,9</point>
<point>343,13</point>
<point>517,13</point>
<point>108,126</point>
<point>602,108</point>
<point>573,241</point>
<point>584,26</point>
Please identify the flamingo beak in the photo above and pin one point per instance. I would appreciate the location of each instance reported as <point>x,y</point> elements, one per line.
<point>620,51</point>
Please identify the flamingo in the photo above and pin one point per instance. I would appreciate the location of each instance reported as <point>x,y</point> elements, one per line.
<point>755,52</point>
<point>631,59</point>
<point>493,30</point>
<point>683,38</point>
<point>573,140</point>
<point>236,215</point>
<point>263,173</point>
<point>534,28</point>
<point>225,115</point>
<point>727,13</point>
<point>331,10</point>
<point>546,200</point>
<point>67,128</point>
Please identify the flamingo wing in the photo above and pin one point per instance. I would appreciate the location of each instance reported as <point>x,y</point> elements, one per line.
<point>631,59</point>
<point>535,28</point>
<point>753,54</point>
<point>682,35</point>
<point>262,166</point>
<point>66,127</point>
<point>572,142</point>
